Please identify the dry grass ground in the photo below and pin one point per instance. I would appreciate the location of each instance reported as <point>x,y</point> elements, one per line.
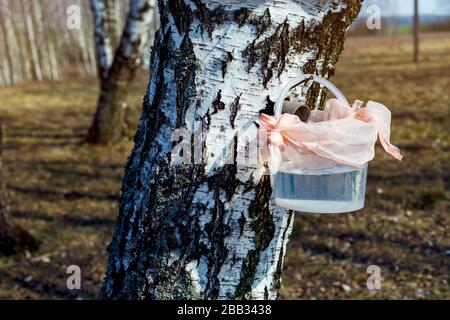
<point>65,192</point>
<point>404,227</point>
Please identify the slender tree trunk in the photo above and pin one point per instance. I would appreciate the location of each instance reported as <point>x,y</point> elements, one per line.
<point>23,45</point>
<point>108,124</point>
<point>13,239</point>
<point>11,44</point>
<point>211,230</point>
<point>4,61</point>
<point>91,47</point>
<point>416,31</point>
<point>88,46</point>
<point>32,42</point>
<point>41,39</point>
<point>48,46</point>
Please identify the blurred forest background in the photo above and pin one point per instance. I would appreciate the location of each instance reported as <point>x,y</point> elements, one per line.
<point>41,40</point>
<point>65,192</point>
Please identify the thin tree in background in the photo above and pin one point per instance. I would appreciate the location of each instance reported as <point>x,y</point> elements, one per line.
<point>117,73</point>
<point>5,66</point>
<point>416,31</point>
<point>41,39</point>
<point>211,230</point>
<point>32,43</point>
<point>11,44</point>
<point>23,44</point>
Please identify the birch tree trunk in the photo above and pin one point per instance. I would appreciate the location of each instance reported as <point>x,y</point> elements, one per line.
<point>105,34</point>
<point>23,44</point>
<point>4,61</point>
<point>32,42</point>
<point>13,239</point>
<point>211,230</point>
<point>41,39</point>
<point>12,47</point>
<point>108,124</point>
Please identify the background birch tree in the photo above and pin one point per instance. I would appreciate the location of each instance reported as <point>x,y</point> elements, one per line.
<point>116,71</point>
<point>211,231</point>
<point>11,45</point>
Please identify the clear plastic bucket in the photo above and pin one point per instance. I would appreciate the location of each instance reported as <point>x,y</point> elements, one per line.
<point>312,183</point>
<point>334,189</point>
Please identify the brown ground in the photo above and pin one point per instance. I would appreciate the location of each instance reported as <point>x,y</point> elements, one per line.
<point>65,192</point>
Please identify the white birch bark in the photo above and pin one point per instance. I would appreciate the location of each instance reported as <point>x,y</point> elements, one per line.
<point>48,47</point>
<point>89,40</point>
<point>211,230</point>
<point>54,67</point>
<point>41,39</point>
<point>4,62</point>
<point>36,63</point>
<point>23,45</point>
<point>11,43</point>
<point>83,40</point>
<point>104,38</point>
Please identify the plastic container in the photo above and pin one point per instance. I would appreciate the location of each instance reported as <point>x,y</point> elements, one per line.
<point>315,184</point>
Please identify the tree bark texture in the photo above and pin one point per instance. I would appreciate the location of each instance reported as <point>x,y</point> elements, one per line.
<point>13,238</point>
<point>106,33</point>
<point>209,230</point>
<point>108,124</point>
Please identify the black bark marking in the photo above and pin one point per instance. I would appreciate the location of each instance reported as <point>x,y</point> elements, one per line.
<point>242,221</point>
<point>234,108</point>
<point>262,23</point>
<point>184,77</point>
<point>217,103</point>
<point>249,184</point>
<point>225,177</point>
<point>182,21</point>
<point>328,49</point>
<point>209,18</point>
<point>269,108</point>
<point>302,39</point>
<point>218,231</point>
<point>241,16</point>
<point>277,45</point>
<point>228,59</point>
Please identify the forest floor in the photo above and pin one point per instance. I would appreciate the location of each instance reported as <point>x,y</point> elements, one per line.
<point>65,192</point>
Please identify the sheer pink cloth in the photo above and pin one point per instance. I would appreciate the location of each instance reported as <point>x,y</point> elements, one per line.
<point>339,133</point>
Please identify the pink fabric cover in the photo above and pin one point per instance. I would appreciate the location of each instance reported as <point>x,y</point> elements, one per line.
<point>339,133</point>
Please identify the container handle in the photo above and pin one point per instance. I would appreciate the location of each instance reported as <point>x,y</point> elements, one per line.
<point>294,82</point>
